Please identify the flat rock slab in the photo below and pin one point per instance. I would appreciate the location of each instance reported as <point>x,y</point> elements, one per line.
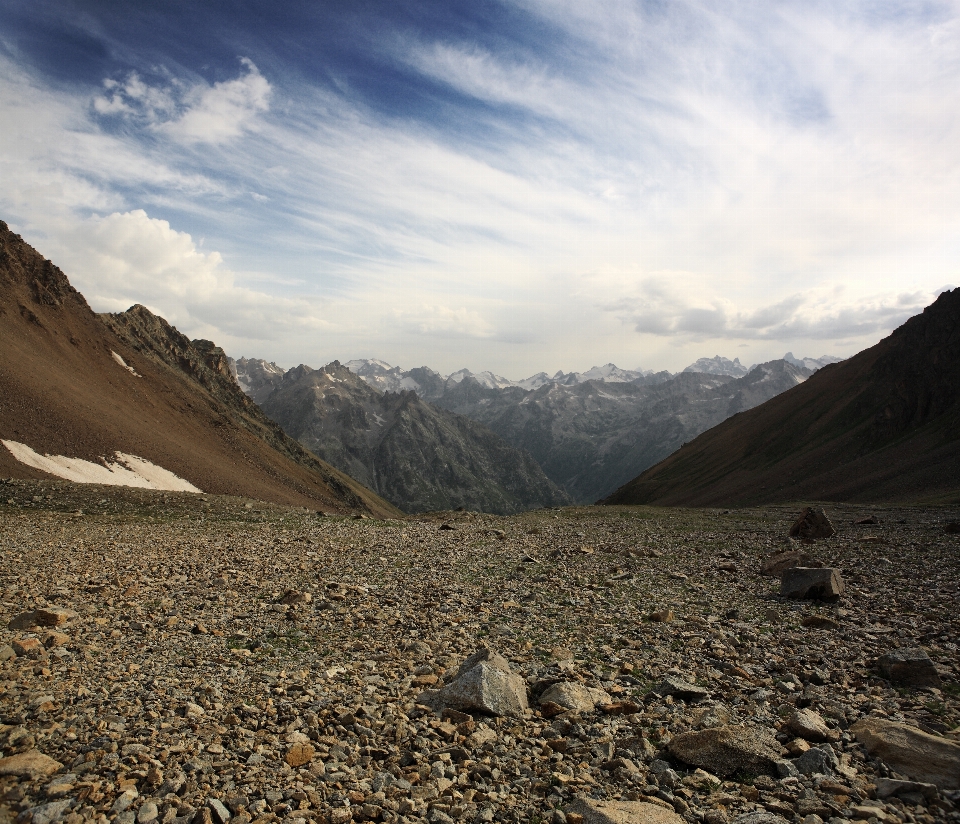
<point>29,764</point>
<point>777,564</point>
<point>910,667</point>
<point>678,688</point>
<point>812,583</point>
<point>591,811</point>
<point>918,755</point>
<point>728,750</point>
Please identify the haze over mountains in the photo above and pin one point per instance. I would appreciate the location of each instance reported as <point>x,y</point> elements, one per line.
<point>883,425</point>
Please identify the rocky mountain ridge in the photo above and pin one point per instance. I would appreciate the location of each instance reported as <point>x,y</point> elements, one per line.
<point>415,455</point>
<point>128,399</point>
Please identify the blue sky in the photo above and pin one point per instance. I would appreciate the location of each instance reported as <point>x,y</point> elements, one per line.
<point>515,186</point>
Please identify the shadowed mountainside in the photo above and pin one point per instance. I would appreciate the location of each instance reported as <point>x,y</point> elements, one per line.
<point>881,426</point>
<point>415,455</point>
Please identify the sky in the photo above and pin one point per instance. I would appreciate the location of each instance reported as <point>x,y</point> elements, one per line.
<point>519,186</point>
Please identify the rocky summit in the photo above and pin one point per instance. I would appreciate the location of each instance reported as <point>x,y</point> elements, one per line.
<point>186,659</point>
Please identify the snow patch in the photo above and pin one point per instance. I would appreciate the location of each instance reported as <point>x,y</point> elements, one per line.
<point>123,363</point>
<point>123,470</point>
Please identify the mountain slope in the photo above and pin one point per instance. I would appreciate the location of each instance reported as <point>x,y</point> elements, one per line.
<point>881,426</point>
<point>69,385</point>
<point>416,456</point>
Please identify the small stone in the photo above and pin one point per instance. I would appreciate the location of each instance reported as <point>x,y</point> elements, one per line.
<point>810,725</point>
<point>817,760</point>
<point>220,814</point>
<point>148,812</point>
<point>811,583</point>
<point>299,754</point>
<point>30,764</point>
<point>779,563</point>
<point>813,524</point>
<point>7,652</point>
<point>49,813</point>
<point>53,616</point>
<point>124,800</point>
<point>27,646</point>
<point>662,616</point>
<point>910,667</point>
<point>55,639</point>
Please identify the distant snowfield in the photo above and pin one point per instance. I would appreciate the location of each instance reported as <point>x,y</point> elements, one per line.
<point>124,470</point>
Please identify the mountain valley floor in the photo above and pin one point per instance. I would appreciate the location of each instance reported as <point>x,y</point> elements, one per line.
<point>171,657</point>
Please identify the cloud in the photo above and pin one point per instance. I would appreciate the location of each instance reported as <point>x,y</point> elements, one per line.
<point>445,322</point>
<point>126,258</point>
<point>197,113</point>
<point>659,308</point>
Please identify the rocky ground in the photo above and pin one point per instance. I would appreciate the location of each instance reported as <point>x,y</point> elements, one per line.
<point>173,657</point>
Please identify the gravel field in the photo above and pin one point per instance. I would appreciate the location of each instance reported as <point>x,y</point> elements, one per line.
<point>193,658</point>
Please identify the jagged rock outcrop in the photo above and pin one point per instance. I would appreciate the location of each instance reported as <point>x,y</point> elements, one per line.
<point>79,385</point>
<point>418,457</point>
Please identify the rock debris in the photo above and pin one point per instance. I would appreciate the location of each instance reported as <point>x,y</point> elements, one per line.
<point>197,660</point>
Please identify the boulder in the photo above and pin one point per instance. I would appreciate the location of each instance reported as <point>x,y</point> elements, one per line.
<point>591,811</point>
<point>728,750</point>
<point>30,764</point>
<point>918,755</point>
<point>484,683</point>
<point>779,563</point>
<point>812,524</point>
<point>810,583</point>
<point>910,667</point>
<point>810,726</point>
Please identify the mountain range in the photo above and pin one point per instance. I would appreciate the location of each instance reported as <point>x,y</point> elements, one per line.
<point>883,425</point>
<point>128,399</point>
<point>589,432</point>
<point>418,456</point>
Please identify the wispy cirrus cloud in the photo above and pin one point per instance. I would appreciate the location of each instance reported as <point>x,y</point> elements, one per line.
<point>512,179</point>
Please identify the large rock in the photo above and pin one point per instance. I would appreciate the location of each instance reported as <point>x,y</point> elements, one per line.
<point>30,764</point>
<point>485,683</point>
<point>728,750</point>
<point>916,754</point>
<point>910,667</point>
<point>573,696</point>
<point>813,524</point>
<point>823,583</point>
<point>777,564</point>
<point>621,812</point>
